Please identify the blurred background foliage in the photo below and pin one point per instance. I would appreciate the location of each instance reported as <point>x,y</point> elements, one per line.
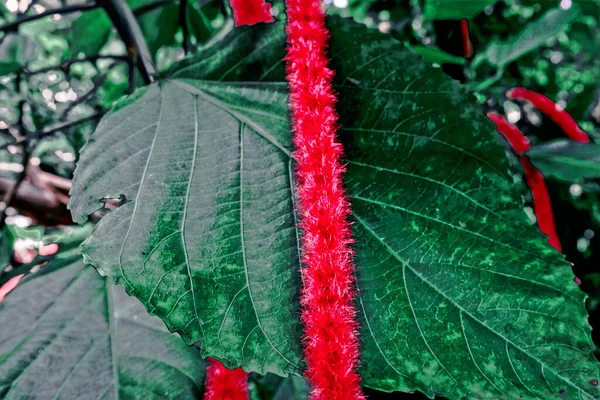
<point>63,65</point>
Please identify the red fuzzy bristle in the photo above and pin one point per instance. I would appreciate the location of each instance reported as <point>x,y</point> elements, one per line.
<point>551,109</point>
<point>534,178</point>
<point>250,12</point>
<point>328,312</point>
<point>225,384</point>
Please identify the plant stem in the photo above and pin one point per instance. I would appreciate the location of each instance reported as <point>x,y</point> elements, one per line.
<point>53,129</point>
<point>66,64</point>
<point>184,25</point>
<point>131,34</point>
<point>63,10</point>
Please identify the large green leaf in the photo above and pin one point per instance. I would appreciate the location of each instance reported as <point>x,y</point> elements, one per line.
<point>458,294</point>
<point>67,333</point>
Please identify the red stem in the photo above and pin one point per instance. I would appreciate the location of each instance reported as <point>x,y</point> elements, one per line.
<point>542,205</point>
<point>551,109</point>
<point>327,298</point>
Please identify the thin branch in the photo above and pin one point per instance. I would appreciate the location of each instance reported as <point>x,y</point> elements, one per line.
<point>97,81</point>
<point>151,7</point>
<point>53,129</point>
<point>63,10</point>
<point>23,268</point>
<point>184,25</point>
<point>10,195</point>
<point>66,64</point>
<point>131,34</point>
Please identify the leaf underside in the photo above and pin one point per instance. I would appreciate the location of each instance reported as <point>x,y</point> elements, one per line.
<point>67,333</point>
<point>457,294</point>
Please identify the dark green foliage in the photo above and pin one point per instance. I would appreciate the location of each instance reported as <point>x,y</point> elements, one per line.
<point>458,294</point>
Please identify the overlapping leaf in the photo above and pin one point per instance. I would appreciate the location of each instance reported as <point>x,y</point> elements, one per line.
<point>67,333</point>
<point>458,294</point>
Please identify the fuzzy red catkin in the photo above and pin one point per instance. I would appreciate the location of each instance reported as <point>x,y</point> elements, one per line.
<point>542,206</point>
<point>250,12</point>
<point>330,329</point>
<point>225,384</point>
<point>551,109</point>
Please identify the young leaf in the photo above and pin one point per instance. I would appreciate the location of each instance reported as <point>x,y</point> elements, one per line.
<point>454,9</point>
<point>458,294</point>
<point>567,160</point>
<point>533,35</point>
<point>67,332</point>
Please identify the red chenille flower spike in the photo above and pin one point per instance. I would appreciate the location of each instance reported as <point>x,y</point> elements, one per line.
<point>327,299</point>
<point>223,383</point>
<point>250,12</point>
<point>534,178</point>
<point>551,109</point>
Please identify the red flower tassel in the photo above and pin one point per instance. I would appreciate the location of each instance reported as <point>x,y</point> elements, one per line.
<point>551,109</point>
<point>225,384</point>
<point>331,332</point>
<point>250,12</point>
<point>535,180</point>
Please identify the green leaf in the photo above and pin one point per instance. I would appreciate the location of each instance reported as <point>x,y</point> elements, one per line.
<point>273,387</point>
<point>454,9</point>
<point>458,294</point>
<point>66,332</point>
<point>89,32</point>
<point>158,26</point>
<point>567,160</point>
<point>533,35</point>
<point>198,23</point>
<point>435,55</point>
<point>15,52</point>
